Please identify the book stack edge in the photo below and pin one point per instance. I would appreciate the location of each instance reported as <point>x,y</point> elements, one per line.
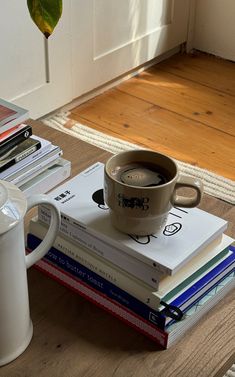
<point>32,163</point>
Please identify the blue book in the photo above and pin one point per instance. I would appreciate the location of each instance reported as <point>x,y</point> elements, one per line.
<point>201,287</point>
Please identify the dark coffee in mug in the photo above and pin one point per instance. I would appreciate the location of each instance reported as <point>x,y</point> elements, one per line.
<point>141,174</point>
<point>140,188</point>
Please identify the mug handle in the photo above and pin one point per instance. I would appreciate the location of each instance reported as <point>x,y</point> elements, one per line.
<point>51,234</point>
<point>184,201</point>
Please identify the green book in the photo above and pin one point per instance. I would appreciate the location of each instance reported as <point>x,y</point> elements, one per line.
<point>202,263</point>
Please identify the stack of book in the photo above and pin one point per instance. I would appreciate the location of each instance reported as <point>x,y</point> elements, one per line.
<point>27,160</point>
<point>159,284</point>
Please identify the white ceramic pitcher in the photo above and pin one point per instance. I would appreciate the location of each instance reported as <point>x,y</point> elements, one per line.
<point>16,328</point>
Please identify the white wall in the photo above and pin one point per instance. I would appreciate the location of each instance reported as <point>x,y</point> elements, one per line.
<point>215,27</point>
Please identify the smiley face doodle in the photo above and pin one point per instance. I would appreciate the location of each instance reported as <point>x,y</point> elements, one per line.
<point>172,229</point>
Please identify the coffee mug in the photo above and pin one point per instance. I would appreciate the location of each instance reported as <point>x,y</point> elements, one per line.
<point>140,188</point>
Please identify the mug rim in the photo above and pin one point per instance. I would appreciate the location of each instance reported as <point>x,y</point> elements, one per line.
<point>141,151</point>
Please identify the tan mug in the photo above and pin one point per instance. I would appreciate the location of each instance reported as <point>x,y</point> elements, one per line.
<point>140,188</point>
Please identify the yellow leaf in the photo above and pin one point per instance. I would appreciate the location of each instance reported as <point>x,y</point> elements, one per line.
<point>45,14</point>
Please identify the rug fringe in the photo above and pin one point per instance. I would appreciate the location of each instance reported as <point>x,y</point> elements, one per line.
<point>215,185</point>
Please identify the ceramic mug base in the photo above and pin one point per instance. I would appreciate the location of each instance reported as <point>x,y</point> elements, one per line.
<point>138,226</point>
<point>7,359</point>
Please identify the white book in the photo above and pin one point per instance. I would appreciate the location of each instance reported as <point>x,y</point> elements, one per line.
<point>32,172</point>
<point>133,266</point>
<point>186,233</point>
<point>130,284</point>
<point>45,147</point>
<point>48,179</point>
<point>53,153</point>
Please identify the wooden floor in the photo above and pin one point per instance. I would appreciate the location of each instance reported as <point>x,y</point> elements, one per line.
<point>184,106</point>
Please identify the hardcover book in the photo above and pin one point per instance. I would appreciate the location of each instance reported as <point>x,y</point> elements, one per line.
<point>11,115</point>
<point>83,210</point>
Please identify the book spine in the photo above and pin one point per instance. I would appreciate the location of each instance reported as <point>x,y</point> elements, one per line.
<point>97,282</point>
<point>117,310</point>
<point>27,160</point>
<point>198,274</point>
<point>209,280</point>
<point>15,139</point>
<point>31,173</point>
<point>105,269</point>
<point>11,132</point>
<point>143,260</point>
<point>21,156</point>
<point>47,180</point>
<point>124,261</point>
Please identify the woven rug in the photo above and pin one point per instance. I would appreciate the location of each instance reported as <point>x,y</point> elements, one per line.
<point>230,372</point>
<point>214,184</point>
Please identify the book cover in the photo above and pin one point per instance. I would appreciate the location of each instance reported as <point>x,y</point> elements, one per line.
<point>186,233</point>
<point>18,153</point>
<point>145,293</point>
<point>14,136</point>
<point>11,115</point>
<point>164,338</point>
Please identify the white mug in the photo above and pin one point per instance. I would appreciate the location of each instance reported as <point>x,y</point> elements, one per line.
<point>16,328</point>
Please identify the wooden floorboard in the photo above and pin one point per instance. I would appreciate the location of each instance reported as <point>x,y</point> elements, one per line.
<point>188,98</point>
<point>204,69</point>
<point>176,107</point>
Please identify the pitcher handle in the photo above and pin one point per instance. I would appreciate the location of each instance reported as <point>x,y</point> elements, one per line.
<point>51,234</point>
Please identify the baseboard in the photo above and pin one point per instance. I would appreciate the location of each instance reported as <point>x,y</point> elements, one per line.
<point>113,83</point>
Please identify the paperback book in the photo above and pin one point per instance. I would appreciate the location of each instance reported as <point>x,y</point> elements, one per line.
<point>165,338</point>
<point>85,216</point>
<point>11,115</point>
<point>169,287</point>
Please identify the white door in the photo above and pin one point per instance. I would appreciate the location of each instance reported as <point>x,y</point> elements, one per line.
<point>111,37</point>
<point>29,76</point>
<point>214,30</point>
